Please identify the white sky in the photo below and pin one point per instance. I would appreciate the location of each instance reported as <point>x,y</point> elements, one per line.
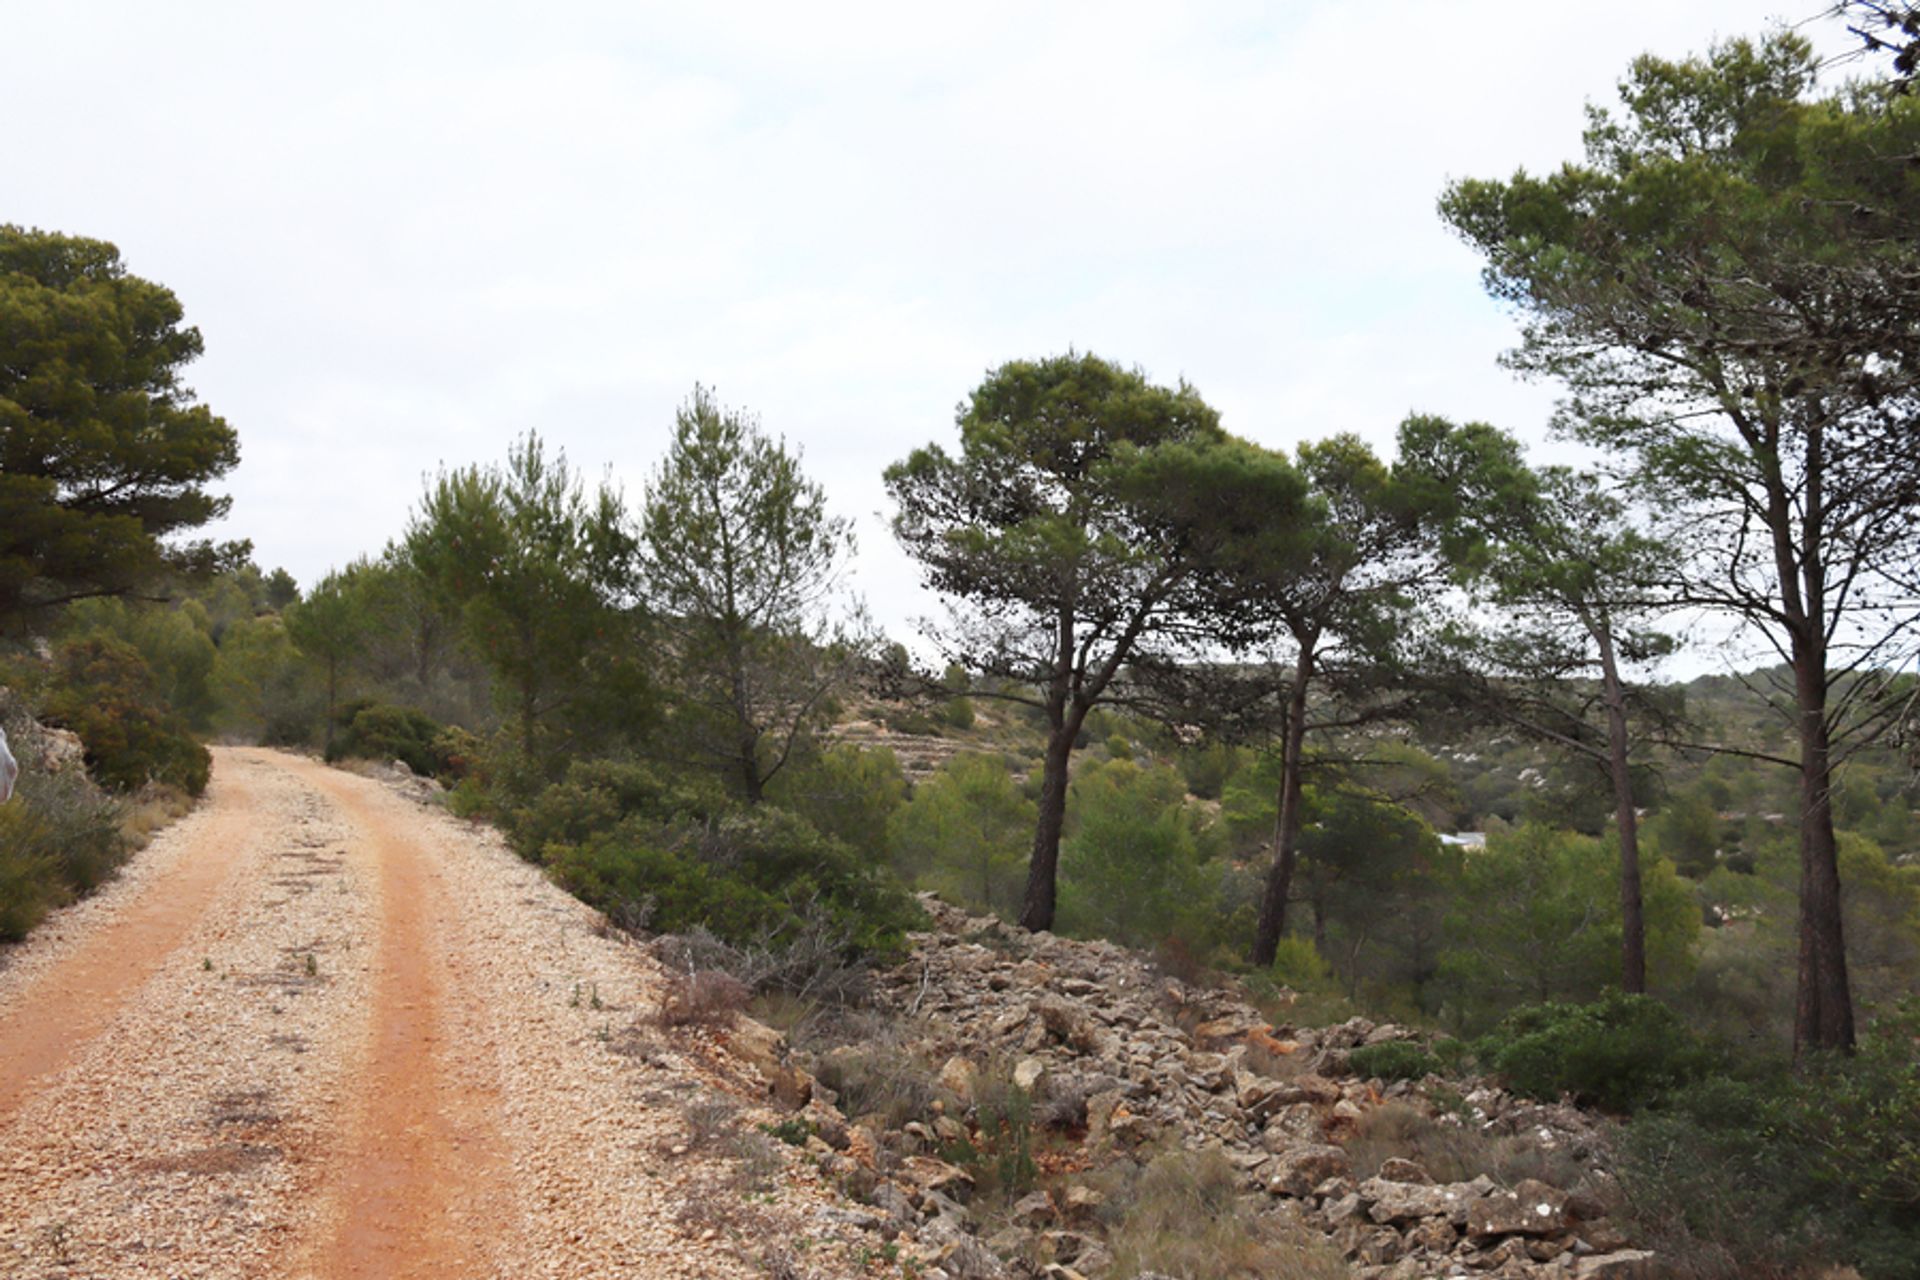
<point>410,232</point>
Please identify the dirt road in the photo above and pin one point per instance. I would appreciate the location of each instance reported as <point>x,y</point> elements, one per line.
<point>321,1029</point>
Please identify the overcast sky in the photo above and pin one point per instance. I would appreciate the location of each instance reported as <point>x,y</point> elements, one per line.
<point>410,233</point>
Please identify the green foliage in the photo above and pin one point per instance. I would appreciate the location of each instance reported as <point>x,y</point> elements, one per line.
<point>1297,964</point>
<point>59,838</point>
<point>104,691</point>
<point>596,795</point>
<point>1072,530</point>
<point>1621,1052</point>
<point>964,833</point>
<point>761,876</point>
<point>265,691</point>
<point>103,453</point>
<point>1535,916</point>
<point>957,711</point>
<point>1393,1060</point>
<point>1207,769</point>
<point>847,792</point>
<point>741,565</point>
<point>174,642</point>
<point>540,575</point>
<point>999,1153</point>
<point>378,732</point>
<point>1130,864</point>
<point>1771,1174</point>
<point>1686,831</point>
<point>333,627</point>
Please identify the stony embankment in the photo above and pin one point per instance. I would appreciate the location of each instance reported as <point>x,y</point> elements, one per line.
<point>1120,1062</point>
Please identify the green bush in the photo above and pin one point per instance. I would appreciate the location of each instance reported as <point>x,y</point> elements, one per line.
<point>759,877</point>
<point>912,721</point>
<point>1779,1174</point>
<point>104,691</point>
<point>59,839</point>
<point>376,731</point>
<point>965,834</point>
<point>1620,1053</point>
<point>1394,1060</point>
<point>597,795</point>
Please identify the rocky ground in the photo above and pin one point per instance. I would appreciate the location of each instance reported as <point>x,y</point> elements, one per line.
<point>1122,1064</point>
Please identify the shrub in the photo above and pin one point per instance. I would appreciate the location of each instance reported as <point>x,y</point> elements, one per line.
<point>59,839</point>
<point>104,691</point>
<point>762,877</point>
<point>911,721</point>
<point>965,834</point>
<point>376,731</point>
<point>846,792</point>
<point>1393,1060</point>
<point>594,797</point>
<point>1769,1175</point>
<point>704,998</point>
<point>1620,1053</point>
<point>878,1078</point>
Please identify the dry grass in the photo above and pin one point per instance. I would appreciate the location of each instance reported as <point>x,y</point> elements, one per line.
<point>1184,1215</point>
<point>709,1118</point>
<point>1453,1152</point>
<point>155,808</point>
<point>703,998</point>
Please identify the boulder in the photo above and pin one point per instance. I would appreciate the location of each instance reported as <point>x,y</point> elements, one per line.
<point>1532,1209</point>
<point>1081,1201</point>
<point>1308,1088</point>
<point>1298,1170</point>
<point>1407,1201</point>
<point>1400,1169</point>
<point>1627,1264</point>
<point>1033,1209</point>
<point>957,1077</point>
<point>938,1177</point>
<point>1070,1024</point>
<point>1029,1074</point>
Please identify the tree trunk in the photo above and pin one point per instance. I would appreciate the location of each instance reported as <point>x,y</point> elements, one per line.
<point>1036,911</point>
<point>751,783</point>
<point>1633,925</point>
<point>1823,1005</point>
<point>1286,832</point>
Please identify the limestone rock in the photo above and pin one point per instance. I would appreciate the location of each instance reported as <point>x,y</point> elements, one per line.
<point>938,1177</point>
<point>1400,1169</point>
<point>1532,1208</point>
<point>1627,1264</point>
<point>1406,1201</point>
<point>957,1078</point>
<point>1033,1209</point>
<point>1296,1172</point>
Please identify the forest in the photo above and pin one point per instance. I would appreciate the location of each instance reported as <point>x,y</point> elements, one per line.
<point>1386,734</point>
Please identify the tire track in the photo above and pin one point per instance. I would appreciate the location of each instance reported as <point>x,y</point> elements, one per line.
<point>420,1182</point>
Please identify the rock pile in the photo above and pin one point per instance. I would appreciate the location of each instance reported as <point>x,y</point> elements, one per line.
<point>1121,1060</point>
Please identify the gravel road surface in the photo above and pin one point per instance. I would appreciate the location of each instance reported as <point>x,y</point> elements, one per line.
<point>322,1029</point>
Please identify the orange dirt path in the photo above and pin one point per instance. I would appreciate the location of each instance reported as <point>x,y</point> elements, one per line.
<point>419,1183</point>
<point>74,1001</point>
